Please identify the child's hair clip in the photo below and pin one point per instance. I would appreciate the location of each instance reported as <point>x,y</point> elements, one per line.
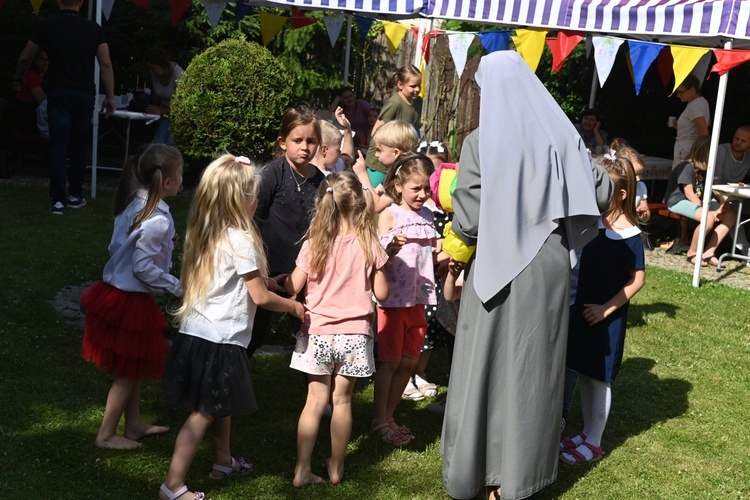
<point>329,190</point>
<point>434,144</point>
<point>611,156</point>
<point>242,159</point>
<point>364,188</point>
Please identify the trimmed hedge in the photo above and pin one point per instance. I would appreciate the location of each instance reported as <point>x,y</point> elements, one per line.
<point>230,98</point>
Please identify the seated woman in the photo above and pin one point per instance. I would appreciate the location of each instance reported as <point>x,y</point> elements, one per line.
<point>165,74</point>
<point>594,137</point>
<point>684,196</point>
<point>357,111</point>
<point>30,95</point>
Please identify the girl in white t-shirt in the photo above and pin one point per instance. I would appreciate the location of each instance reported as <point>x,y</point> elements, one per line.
<point>342,264</point>
<point>224,279</point>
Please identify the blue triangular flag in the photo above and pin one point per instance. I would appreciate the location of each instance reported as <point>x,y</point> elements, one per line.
<point>494,40</point>
<point>364,24</point>
<point>242,10</point>
<point>642,54</point>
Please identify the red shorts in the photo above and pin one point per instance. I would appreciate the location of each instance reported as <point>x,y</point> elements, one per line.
<point>401,332</point>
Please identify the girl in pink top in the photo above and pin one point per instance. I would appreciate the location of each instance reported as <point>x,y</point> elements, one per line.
<point>401,317</point>
<point>342,263</point>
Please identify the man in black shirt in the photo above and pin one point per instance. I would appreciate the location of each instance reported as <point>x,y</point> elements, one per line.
<point>71,42</point>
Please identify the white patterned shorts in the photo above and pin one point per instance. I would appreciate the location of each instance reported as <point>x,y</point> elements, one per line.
<point>343,354</point>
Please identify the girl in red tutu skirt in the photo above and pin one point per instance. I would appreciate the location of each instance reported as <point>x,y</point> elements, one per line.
<point>124,326</point>
<point>225,279</point>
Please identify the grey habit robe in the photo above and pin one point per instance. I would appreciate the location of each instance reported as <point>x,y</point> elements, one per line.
<point>527,198</point>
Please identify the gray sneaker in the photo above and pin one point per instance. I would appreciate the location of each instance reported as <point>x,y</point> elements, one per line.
<point>438,407</point>
<point>76,202</point>
<point>57,208</point>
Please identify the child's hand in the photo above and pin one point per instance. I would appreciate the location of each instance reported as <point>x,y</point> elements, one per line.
<point>594,313</point>
<point>360,166</point>
<point>276,283</point>
<point>298,310</point>
<point>395,245</point>
<point>342,119</point>
<point>175,239</point>
<point>455,268</point>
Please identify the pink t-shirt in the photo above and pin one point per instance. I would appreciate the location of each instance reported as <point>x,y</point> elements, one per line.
<point>339,299</point>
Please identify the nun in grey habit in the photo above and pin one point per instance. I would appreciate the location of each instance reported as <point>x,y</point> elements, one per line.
<point>528,197</point>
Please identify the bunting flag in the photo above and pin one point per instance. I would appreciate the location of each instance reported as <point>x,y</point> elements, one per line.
<point>363,24</point>
<point>664,63</point>
<point>426,44</point>
<point>242,10</point>
<point>701,69</point>
<point>493,41</point>
<point>143,4</point>
<point>270,24</point>
<point>458,43</point>
<point>415,32</point>
<point>333,26</point>
<point>685,59</point>
<point>562,46</point>
<point>530,44</point>
<point>299,20</point>
<point>36,4</point>
<point>423,83</point>
<point>642,55</point>
<point>729,59</point>
<point>605,52</point>
<point>214,9</point>
<point>107,8</point>
<point>178,8</point>
<point>394,33</point>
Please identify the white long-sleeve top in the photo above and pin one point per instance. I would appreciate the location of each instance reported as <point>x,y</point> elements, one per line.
<point>140,261</point>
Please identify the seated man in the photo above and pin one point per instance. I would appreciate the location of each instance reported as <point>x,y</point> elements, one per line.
<point>733,165</point>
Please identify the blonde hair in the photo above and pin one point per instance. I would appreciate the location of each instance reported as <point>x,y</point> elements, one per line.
<point>397,134</point>
<point>699,152</point>
<point>341,198</point>
<point>622,174</point>
<point>406,165</point>
<point>331,136</point>
<point>224,198</point>
<point>146,170</point>
<point>632,155</point>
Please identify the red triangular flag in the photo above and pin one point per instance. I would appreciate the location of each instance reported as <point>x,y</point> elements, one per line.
<point>415,32</point>
<point>728,59</point>
<point>562,46</point>
<point>299,20</point>
<point>178,8</point>
<point>143,4</point>
<point>426,48</point>
<point>664,64</point>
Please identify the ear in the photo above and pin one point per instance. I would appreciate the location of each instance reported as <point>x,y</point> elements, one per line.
<point>396,151</point>
<point>323,150</point>
<point>281,142</point>
<point>624,194</point>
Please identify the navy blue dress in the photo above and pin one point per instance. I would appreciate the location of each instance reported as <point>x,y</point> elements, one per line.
<point>606,266</point>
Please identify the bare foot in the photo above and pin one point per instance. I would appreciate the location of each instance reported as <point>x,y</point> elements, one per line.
<point>306,480</point>
<point>335,475</point>
<point>117,443</point>
<point>145,430</point>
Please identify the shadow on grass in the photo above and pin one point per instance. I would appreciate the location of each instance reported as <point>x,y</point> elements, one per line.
<point>638,313</point>
<point>640,400</point>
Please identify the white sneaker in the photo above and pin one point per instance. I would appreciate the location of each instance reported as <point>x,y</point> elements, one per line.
<point>427,388</point>
<point>412,393</point>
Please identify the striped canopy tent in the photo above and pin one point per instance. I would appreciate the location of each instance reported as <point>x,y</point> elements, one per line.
<point>383,9</point>
<point>707,23</point>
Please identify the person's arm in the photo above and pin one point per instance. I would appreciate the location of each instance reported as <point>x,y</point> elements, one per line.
<point>380,287</point>
<point>348,146</point>
<point>690,194</point>
<point>266,299</point>
<point>39,94</point>
<point>598,134</point>
<point>294,282</point>
<point>468,191</point>
<point>28,54</point>
<point>701,125</point>
<point>594,313</point>
<point>108,78</point>
<point>335,104</point>
<point>451,288</point>
<point>375,127</point>
<point>382,201</point>
<point>603,186</point>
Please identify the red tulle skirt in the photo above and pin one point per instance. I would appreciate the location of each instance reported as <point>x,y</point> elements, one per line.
<point>123,332</point>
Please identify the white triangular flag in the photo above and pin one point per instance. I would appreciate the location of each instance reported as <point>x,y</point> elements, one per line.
<point>214,9</point>
<point>459,46</point>
<point>605,52</point>
<point>333,26</point>
<point>107,8</point>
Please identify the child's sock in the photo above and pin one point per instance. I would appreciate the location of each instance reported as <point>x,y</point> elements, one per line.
<point>598,401</point>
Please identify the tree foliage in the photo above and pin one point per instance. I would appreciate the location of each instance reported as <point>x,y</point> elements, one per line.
<point>230,98</point>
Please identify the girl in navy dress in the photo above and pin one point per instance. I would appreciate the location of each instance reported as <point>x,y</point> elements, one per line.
<point>611,273</point>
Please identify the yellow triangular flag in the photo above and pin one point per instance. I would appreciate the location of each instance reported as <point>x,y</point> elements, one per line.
<point>36,4</point>
<point>685,59</point>
<point>394,32</point>
<point>529,45</point>
<point>423,87</point>
<point>270,24</point>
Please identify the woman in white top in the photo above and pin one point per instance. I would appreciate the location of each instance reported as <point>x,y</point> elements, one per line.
<point>694,120</point>
<point>164,74</point>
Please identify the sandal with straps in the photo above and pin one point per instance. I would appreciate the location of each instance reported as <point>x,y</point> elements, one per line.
<point>238,468</point>
<point>174,495</point>
<point>568,443</point>
<point>579,458</point>
<point>391,436</point>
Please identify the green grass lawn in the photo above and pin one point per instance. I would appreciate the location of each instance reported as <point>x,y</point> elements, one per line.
<point>678,427</point>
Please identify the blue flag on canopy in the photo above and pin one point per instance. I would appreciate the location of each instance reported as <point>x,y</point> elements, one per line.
<point>242,10</point>
<point>494,40</point>
<point>642,54</point>
<point>364,24</point>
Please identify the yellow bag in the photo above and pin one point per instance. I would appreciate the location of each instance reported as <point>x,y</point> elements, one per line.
<point>453,246</point>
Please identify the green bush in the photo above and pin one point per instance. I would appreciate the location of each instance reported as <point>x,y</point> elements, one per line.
<point>230,98</point>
